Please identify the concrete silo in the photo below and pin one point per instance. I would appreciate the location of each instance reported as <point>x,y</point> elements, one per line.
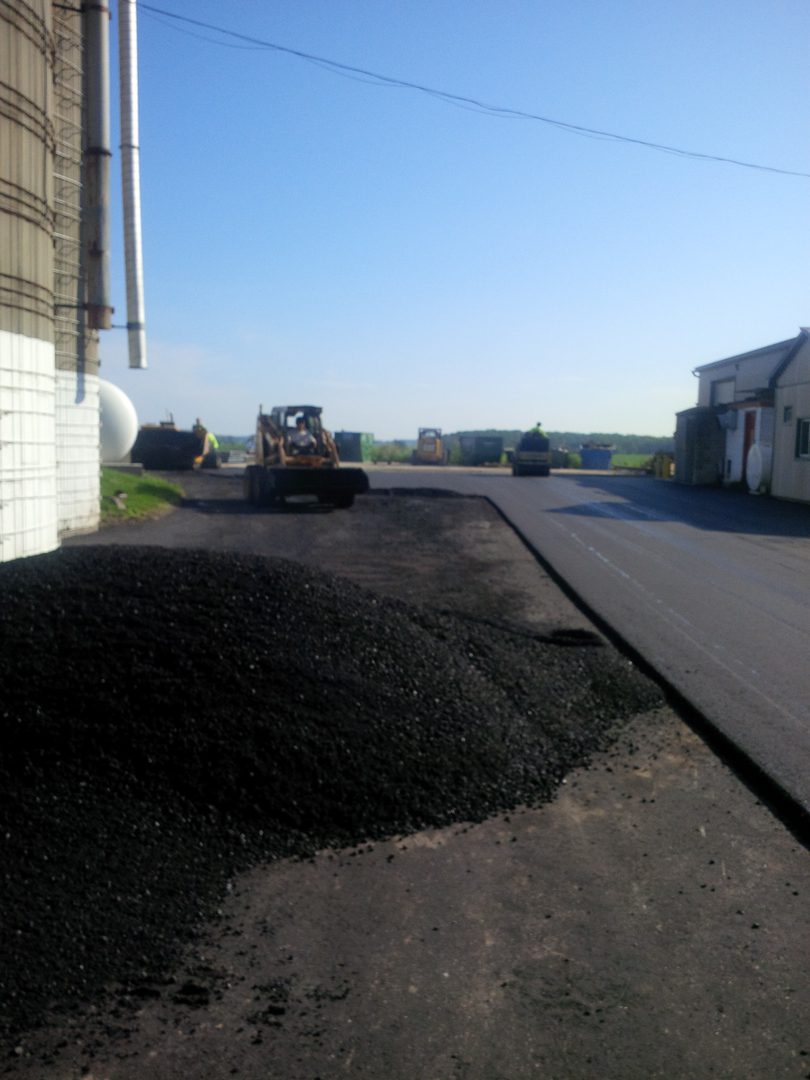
<point>28,504</point>
<point>54,281</point>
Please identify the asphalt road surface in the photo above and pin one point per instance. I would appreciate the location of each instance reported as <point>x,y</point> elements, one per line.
<point>645,925</point>
<point>711,587</point>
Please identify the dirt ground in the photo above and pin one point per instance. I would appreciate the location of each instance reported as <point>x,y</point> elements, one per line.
<point>651,921</point>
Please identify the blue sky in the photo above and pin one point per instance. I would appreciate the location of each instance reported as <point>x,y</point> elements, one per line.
<point>312,237</point>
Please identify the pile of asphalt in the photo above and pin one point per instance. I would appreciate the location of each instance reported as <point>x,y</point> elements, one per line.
<point>169,717</point>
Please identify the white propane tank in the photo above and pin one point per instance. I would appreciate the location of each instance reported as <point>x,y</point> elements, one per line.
<point>119,423</point>
<point>758,468</point>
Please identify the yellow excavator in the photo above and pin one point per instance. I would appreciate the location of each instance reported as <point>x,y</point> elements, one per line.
<point>296,455</point>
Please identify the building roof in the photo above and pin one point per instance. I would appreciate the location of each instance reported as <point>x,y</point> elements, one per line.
<point>781,349</point>
<point>798,341</point>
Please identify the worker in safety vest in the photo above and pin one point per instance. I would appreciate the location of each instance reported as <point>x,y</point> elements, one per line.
<point>208,440</point>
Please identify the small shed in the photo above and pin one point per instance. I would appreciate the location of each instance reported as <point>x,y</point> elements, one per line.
<point>699,446</point>
<point>480,449</point>
<point>354,445</point>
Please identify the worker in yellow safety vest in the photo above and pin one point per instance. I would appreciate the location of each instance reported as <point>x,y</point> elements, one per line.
<point>208,439</point>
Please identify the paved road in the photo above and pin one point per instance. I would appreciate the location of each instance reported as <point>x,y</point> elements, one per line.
<point>711,587</point>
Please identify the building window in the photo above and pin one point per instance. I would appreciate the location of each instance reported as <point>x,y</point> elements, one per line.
<point>803,438</point>
<point>787,414</point>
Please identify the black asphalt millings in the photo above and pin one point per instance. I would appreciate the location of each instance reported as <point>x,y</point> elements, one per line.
<point>170,716</point>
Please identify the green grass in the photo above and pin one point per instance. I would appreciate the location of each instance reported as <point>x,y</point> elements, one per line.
<point>140,497</point>
<point>631,461</point>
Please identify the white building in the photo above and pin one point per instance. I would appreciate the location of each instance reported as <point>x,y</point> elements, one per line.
<point>752,414</point>
<point>791,444</point>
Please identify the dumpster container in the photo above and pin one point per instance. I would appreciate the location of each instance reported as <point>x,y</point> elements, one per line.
<point>595,457</point>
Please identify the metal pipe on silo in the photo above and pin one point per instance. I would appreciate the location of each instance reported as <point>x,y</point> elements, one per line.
<point>130,179</point>
<point>97,164</point>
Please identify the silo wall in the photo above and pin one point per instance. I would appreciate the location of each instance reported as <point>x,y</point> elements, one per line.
<point>28,506</point>
<point>76,430</point>
<point>78,452</point>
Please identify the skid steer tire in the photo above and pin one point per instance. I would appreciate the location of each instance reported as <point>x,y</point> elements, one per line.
<point>249,485</point>
<point>268,495</point>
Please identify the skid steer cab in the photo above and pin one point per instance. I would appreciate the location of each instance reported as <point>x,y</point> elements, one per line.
<point>296,455</point>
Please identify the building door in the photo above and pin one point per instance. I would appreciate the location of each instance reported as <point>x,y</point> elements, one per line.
<point>749,433</point>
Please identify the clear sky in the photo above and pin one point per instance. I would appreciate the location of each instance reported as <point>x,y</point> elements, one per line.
<point>311,237</point>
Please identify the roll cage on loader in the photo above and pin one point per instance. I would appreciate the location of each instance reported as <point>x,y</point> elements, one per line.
<point>282,468</point>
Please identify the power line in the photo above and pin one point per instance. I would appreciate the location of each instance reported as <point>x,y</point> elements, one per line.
<point>499,111</point>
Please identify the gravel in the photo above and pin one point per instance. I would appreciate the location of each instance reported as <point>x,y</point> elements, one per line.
<point>170,717</point>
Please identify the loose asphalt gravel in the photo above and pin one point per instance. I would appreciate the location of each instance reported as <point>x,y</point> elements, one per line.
<point>171,717</point>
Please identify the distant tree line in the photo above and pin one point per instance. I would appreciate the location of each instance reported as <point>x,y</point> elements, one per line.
<point>393,450</point>
<point>401,449</point>
<point>572,440</point>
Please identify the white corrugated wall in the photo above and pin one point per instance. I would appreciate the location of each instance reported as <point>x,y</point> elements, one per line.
<point>78,481</point>
<point>28,516</point>
<point>28,513</point>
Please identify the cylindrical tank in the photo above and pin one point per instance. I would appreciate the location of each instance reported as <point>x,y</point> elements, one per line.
<point>119,423</point>
<point>28,512</point>
<point>758,468</point>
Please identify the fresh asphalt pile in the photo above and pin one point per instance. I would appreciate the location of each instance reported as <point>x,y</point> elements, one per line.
<point>168,717</point>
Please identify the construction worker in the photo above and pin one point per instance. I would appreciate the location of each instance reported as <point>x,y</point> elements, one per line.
<point>208,440</point>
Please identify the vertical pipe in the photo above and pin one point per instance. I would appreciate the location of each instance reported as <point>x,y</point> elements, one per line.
<point>97,164</point>
<point>130,179</point>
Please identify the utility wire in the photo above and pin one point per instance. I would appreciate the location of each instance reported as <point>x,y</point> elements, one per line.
<point>503,112</point>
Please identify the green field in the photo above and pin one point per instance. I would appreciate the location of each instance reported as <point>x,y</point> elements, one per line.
<point>631,461</point>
